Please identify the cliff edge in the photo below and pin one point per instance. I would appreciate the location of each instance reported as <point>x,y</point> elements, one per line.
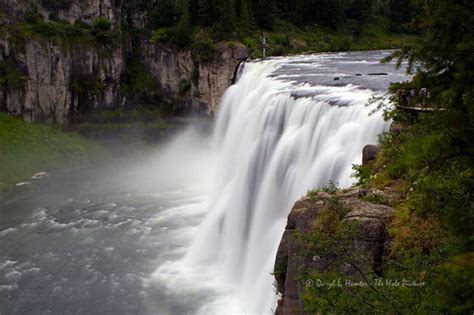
<point>330,231</point>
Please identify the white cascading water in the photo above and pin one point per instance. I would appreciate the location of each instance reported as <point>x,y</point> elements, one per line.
<point>275,139</point>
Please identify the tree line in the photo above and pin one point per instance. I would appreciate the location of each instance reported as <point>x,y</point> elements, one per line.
<point>229,17</point>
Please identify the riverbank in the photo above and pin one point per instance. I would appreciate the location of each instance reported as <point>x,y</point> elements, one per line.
<point>29,148</point>
<point>288,39</point>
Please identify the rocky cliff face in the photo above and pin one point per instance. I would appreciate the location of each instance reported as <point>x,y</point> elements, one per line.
<point>50,73</point>
<point>53,80</point>
<point>371,241</point>
<point>172,67</point>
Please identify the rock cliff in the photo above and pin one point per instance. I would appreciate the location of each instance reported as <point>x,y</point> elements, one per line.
<point>48,77</point>
<point>172,67</point>
<point>370,241</point>
<point>50,73</point>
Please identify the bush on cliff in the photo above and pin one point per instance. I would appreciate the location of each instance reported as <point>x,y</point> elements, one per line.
<point>410,278</point>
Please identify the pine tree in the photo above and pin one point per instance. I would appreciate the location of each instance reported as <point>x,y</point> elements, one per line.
<point>226,18</point>
<point>245,14</point>
<point>163,14</point>
<point>193,9</point>
<point>206,12</point>
<point>401,12</point>
<point>265,13</point>
<point>361,11</point>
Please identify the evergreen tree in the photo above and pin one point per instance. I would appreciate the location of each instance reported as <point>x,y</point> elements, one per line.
<point>226,22</point>
<point>193,9</point>
<point>265,13</point>
<point>163,14</point>
<point>286,8</point>
<point>206,12</point>
<point>245,13</point>
<point>361,11</point>
<point>401,12</point>
<point>305,11</point>
<point>332,13</point>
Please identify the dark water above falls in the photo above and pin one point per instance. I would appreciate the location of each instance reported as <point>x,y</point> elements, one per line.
<point>165,234</point>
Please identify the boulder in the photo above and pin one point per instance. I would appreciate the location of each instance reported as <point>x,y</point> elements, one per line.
<point>369,153</point>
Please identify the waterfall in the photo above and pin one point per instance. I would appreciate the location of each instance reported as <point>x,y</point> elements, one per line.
<point>276,137</point>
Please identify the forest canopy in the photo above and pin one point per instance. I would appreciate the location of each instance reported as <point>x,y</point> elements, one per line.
<point>240,16</point>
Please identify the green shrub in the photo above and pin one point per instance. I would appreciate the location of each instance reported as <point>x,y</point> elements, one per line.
<point>203,46</point>
<point>87,86</point>
<point>278,50</point>
<point>163,14</point>
<point>138,80</point>
<point>184,86</point>
<point>33,16</point>
<point>341,43</point>
<point>179,35</point>
<point>104,33</point>
<point>254,46</point>
<point>100,33</point>
<point>160,35</point>
<point>58,30</point>
<point>11,78</point>
<point>363,173</point>
<point>195,75</point>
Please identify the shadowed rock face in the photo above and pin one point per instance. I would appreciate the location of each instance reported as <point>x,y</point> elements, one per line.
<point>50,70</point>
<point>371,241</point>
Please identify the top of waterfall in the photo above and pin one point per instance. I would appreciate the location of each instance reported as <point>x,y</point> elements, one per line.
<point>349,67</point>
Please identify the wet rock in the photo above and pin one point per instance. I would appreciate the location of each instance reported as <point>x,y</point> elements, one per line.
<point>297,43</point>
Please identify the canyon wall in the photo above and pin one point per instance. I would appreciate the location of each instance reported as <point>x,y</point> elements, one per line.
<point>46,77</point>
<point>172,67</point>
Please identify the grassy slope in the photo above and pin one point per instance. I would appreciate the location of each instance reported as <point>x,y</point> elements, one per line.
<point>27,148</point>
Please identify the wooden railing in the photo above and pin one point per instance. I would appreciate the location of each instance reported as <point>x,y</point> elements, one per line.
<point>413,100</point>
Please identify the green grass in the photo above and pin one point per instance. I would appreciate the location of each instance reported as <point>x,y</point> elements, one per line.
<point>28,148</point>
